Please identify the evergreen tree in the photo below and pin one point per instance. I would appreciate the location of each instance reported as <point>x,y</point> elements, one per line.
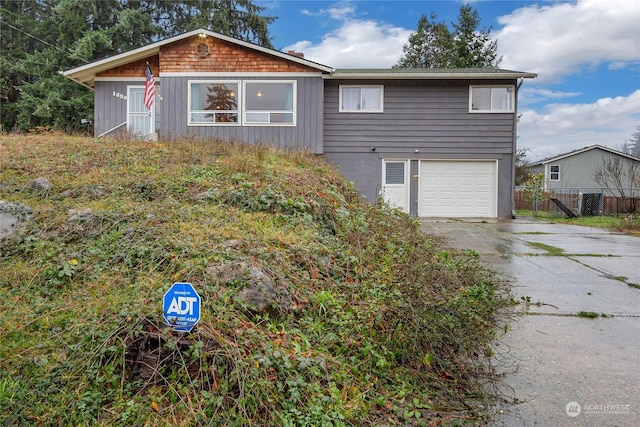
<point>435,45</point>
<point>240,19</point>
<point>429,46</point>
<point>38,38</point>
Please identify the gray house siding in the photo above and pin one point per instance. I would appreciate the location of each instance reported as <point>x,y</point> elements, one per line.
<point>305,135</point>
<point>431,117</point>
<point>109,110</point>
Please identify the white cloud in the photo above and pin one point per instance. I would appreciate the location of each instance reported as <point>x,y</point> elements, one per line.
<point>560,128</point>
<point>528,96</point>
<point>555,40</point>
<point>560,39</point>
<point>357,44</point>
<point>340,12</point>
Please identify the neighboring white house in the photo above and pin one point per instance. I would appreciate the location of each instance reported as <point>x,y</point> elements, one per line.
<point>578,170</point>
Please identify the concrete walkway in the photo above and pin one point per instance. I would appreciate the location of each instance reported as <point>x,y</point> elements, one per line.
<point>562,368</point>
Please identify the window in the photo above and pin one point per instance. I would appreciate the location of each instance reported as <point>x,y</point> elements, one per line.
<point>213,103</point>
<point>491,99</point>
<point>554,174</point>
<point>269,102</point>
<point>361,99</point>
<point>394,173</point>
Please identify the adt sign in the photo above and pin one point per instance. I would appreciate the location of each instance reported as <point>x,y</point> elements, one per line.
<point>181,307</point>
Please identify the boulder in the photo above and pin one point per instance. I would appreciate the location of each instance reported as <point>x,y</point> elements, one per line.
<point>13,218</point>
<point>256,290</point>
<point>41,184</point>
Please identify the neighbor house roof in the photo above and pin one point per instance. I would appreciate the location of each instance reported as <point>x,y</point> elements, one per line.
<point>580,151</point>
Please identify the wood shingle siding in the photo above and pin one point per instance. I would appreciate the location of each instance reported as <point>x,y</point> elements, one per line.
<point>182,56</point>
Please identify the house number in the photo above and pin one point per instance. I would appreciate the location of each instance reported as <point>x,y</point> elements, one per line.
<point>119,95</point>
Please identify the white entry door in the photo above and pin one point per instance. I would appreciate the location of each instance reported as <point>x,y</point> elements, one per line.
<point>139,118</point>
<point>395,183</point>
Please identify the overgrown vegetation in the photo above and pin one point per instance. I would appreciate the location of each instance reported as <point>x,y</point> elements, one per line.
<point>387,326</point>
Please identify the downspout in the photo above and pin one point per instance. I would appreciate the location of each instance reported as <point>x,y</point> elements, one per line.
<point>513,163</point>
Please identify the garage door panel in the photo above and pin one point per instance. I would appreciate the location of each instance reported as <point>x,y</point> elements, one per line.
<point>458,189</point>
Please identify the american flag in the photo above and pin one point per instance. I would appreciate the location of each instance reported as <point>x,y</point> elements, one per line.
<point>149,89</point>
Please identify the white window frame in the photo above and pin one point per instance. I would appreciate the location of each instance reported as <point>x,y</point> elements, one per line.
<point>267,113</point>
<point>190,122</point>
<point>510,88</point>
<point>360,110</point>
<point>552,173</point>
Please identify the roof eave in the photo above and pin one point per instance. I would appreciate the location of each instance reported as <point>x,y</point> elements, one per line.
<point>85,74</point>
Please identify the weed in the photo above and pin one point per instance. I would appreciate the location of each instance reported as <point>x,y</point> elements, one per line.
<point>588,314</point>
<point>551,250</point>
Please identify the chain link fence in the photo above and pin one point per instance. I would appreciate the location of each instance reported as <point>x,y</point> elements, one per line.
<point>576,202</point>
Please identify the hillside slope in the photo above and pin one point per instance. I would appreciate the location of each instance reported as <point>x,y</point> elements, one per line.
<point>317,307</point>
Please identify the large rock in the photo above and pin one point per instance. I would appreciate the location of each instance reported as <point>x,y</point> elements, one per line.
<point>13,218</point>
<point>257,291</point>
<point>41,184</point>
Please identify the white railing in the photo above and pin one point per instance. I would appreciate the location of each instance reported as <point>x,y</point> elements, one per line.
<point>111,130</point>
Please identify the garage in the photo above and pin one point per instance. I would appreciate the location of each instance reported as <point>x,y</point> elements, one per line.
<point>457,189</point>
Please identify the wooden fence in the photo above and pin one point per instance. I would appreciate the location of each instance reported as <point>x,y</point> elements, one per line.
<point>609,206</point>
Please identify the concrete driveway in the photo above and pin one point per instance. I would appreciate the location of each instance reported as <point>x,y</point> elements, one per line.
<point>562,368</point>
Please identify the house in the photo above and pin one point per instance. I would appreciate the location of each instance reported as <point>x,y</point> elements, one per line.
<point>576,172</point>
<point>431,142</point>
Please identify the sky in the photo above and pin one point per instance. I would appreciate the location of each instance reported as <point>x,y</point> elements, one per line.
<point>586,54</point>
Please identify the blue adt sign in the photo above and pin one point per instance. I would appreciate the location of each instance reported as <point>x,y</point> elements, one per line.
<point>181,307</point>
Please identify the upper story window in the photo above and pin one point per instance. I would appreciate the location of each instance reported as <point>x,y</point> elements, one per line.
<point>491,99</point>
<point>214,103</point>
<point>361,99</point>
<point>554,173</point>
<point>269,103</point>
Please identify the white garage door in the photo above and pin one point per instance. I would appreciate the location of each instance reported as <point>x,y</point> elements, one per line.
<point>458,189</point>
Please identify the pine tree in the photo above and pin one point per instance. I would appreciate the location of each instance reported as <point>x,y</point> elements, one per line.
<point>434,45</point>
<point>40,37</point>
<point>429,46</point>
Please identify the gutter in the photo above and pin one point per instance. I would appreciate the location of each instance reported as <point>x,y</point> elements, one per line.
<point>364,74</point>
